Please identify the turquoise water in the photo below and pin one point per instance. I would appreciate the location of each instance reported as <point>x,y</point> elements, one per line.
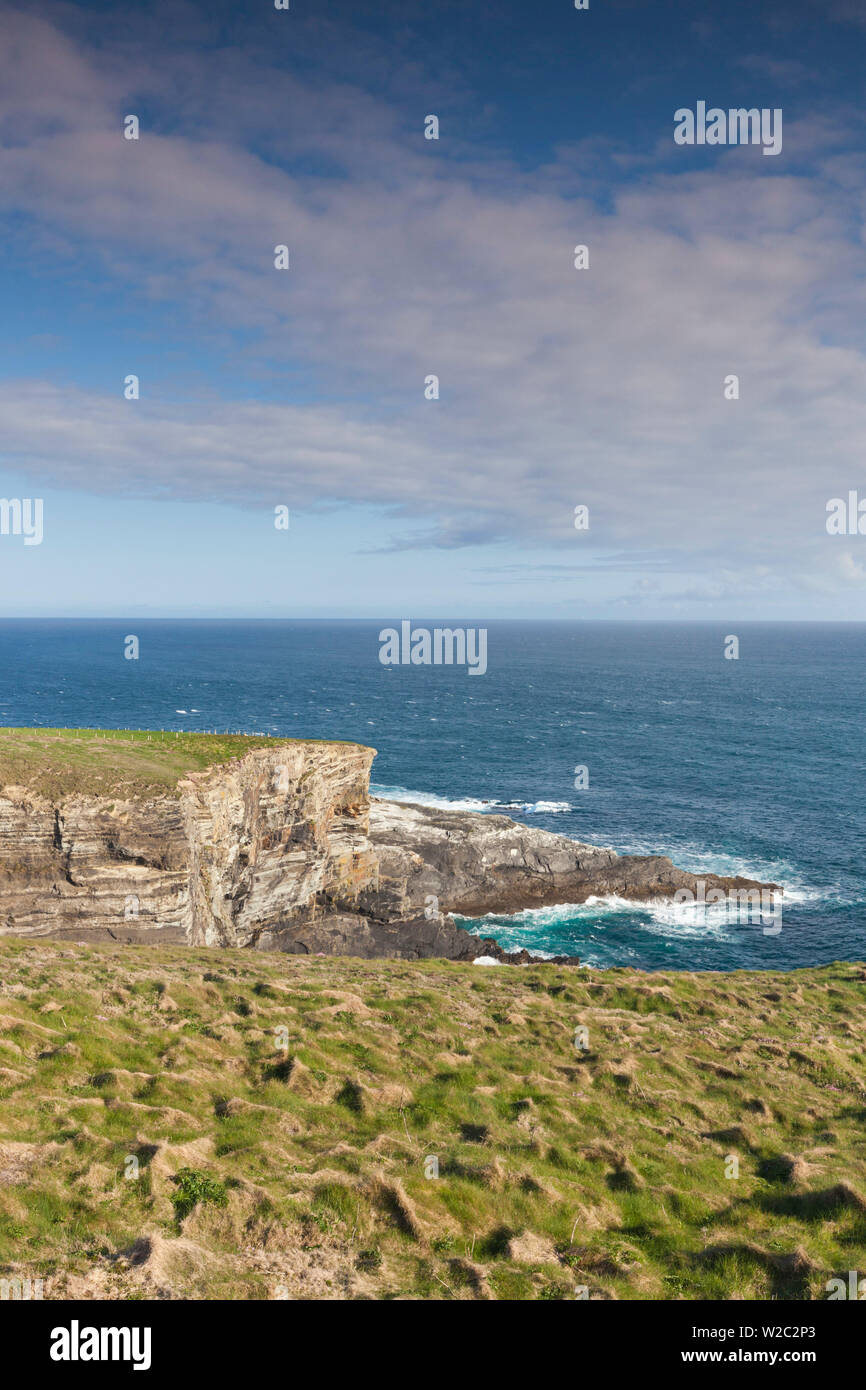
<point>754,766</point>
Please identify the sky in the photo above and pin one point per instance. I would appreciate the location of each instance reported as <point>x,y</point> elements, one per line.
<point>304,388</point>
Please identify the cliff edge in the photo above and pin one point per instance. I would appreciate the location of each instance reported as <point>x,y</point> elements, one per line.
<point>176,850</point>
<point>210,840</point>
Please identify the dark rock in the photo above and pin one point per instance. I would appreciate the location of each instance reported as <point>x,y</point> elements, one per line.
<point>474,863</point>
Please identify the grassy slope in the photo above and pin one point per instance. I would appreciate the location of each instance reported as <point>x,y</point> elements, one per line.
<point>63,762</point>
<point>264,1171</point>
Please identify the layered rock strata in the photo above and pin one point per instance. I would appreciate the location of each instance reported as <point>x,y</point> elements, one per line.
<point>282,849</point>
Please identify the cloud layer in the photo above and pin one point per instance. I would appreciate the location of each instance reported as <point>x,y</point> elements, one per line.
<point>409,258</point>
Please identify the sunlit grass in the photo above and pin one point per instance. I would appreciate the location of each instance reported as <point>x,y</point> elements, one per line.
<point>249,1167</point>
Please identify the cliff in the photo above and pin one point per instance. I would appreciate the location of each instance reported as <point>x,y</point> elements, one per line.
<point>272,844</point>
<point>213,858</point>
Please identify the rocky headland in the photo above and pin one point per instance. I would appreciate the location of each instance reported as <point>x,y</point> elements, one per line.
<point>272,844</point>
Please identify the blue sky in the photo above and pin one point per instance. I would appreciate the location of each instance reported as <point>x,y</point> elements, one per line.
<point>305,388</point>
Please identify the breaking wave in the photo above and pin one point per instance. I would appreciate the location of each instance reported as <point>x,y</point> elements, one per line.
<point>468,803</point>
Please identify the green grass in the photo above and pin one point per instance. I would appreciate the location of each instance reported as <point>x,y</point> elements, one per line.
<point>148,1151</point>
<point>194,1187</point>
<point>117,763</point>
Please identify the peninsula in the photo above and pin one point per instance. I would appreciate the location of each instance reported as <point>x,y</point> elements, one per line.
<point>273,844</point>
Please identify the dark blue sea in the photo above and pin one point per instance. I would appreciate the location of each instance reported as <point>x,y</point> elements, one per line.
<point>752,766</point>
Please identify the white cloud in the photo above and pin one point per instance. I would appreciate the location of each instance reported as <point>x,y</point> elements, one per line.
<point>558,386</point>
<point>853,571</point>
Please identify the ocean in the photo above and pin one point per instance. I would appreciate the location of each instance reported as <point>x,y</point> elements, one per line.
<point>752,766</point>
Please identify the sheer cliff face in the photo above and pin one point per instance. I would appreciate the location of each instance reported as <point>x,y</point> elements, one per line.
<point>277,834</point>
<point>280,850</point>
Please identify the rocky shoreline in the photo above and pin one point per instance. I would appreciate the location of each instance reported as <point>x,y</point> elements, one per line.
<point>282,848</point>
<point>434,862</point>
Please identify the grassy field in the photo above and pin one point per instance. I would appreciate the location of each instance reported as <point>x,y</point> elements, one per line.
<point>63,762</point>
<point>221,1124</point>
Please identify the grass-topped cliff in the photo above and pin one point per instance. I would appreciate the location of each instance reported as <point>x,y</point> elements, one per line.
<point>281,1112</point>
<point>97,762</point>
<point>207,839</point>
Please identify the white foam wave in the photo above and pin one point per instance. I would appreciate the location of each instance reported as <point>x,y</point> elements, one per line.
<point>659,916</point>
<point>468,803</point>
<point>429,799</point>
<point>695,859</point>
